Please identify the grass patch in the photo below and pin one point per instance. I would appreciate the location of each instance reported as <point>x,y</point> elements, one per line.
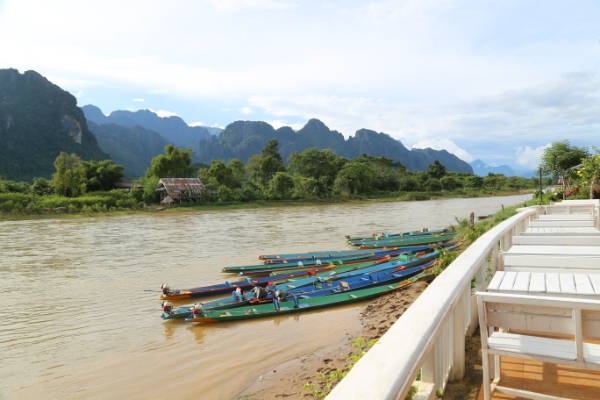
<point>324,382</point>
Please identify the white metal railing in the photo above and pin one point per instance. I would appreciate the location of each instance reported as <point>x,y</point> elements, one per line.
<point>430,335</point>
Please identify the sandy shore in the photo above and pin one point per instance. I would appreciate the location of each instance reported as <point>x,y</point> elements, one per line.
<point>289,380</point>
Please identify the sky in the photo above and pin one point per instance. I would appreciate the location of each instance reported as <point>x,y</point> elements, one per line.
<point>490,80</point>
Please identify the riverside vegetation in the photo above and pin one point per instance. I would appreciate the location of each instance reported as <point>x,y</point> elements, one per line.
<point>79,186</point>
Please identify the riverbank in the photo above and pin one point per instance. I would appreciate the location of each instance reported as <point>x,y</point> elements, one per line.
<point>61,212</point>
<point>311,375</point>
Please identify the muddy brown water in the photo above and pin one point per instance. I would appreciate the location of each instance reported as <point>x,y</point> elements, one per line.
<point>80,310</point>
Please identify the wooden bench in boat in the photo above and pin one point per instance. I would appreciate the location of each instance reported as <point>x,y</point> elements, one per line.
<point>546,328</point>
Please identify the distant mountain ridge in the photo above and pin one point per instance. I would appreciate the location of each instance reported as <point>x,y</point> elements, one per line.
<point>482,169</point>
<point>174,129</point>
<point>242,139</point>
<point>132,147</point>
<point>38,120</point>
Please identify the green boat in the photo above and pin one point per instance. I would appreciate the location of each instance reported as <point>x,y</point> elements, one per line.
<point>286,307</point>
<point>388,235</point>
<point>411,241</point>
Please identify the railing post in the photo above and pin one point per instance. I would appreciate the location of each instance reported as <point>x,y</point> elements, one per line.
<point>429,370</point>
<point>458,335</point>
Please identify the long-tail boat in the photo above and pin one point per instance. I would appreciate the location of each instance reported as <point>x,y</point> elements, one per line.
<point>385,235</point>
<point>412,241</point>
<point>316,254</point>
<point>291,306</point>
<point>227,287</point>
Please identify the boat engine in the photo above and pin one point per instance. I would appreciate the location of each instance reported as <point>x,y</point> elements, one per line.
<point>164,288</point>
<point>197,309</point>
<point>167,307</point>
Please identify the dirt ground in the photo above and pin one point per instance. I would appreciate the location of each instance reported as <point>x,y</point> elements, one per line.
<point>288,380</point>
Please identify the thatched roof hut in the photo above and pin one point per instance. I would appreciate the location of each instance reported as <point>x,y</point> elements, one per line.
<point>180,189</point>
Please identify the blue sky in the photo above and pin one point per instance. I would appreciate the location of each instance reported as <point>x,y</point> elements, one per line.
<point>484,79</point>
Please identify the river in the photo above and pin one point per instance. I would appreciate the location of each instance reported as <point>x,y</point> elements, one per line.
<point>80,306</point>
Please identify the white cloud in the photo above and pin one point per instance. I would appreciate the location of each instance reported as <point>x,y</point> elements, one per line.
<point>164,113</point>
<point>529,157</point>
<point>444,144</point>
<point>246,110</point>
<point>138,100</point>
<point>197,123</point>
<point>277,123</point>
<point>242,5</point>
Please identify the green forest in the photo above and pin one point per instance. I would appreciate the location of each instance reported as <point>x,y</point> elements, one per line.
<point>311,175</point>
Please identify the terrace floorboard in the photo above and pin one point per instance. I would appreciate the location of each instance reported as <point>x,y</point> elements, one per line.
<point>551,379</point>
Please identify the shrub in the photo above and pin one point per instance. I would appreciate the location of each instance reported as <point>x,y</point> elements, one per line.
<point>433,185</point>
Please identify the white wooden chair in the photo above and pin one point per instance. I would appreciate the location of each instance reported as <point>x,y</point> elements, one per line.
<point>519,325</point>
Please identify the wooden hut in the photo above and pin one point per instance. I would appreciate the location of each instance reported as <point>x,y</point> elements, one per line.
<point>179,189</point>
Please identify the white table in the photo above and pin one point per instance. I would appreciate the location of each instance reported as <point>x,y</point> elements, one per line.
<point>546,283</point>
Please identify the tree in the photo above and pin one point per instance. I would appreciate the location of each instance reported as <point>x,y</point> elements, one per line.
<point>307,188</point>
<point>70,177</point>
<point>559,158</point>
<point>590,172</point>
<point>281,186</point>
<point>238,172</point>
<point>174,163</point>
<point>473,181</point>
<point>494,181</point>
<point>218,171</point>
<point>102,175</point>
<point>408,184</point>
<point>150,195</point>
<point>41,186</point>
<point>450,183</point>
<point>321,165</point>
<point>436,170</point>
<point>263,167</point>
<point>353,179</point>
<point>433,185</point>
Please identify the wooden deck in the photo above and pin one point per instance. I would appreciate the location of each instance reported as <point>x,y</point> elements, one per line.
<point>550,379</point>
<point>557,256</point>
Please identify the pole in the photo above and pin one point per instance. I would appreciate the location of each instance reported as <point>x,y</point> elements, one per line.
<point>541,190</point>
